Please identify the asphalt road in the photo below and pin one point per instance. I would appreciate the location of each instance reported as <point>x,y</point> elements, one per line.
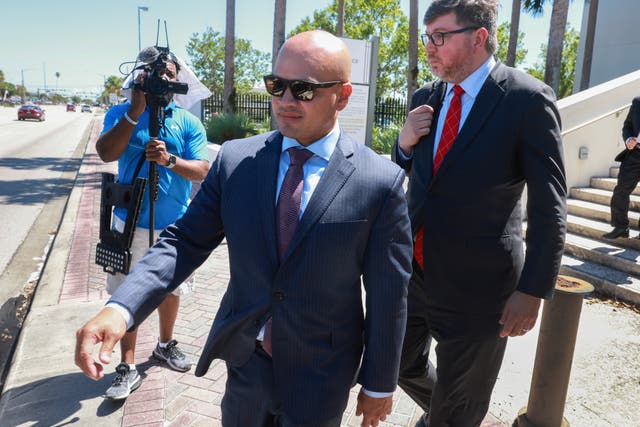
<point>38,166</point>
<point>34,157</point>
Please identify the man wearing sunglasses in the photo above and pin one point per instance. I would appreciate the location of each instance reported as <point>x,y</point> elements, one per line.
<point>310,217</point>
<point>471,142</point>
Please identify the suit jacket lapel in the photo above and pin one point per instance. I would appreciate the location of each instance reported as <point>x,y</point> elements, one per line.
<point>333,179</point>
<point>267,161</point>
<point>488,98</point>
<point>424,148</point>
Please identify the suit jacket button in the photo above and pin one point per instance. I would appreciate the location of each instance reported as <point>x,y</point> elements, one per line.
<point>278,295</point>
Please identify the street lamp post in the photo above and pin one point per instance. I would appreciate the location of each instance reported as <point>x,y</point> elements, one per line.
<point>103,95</point>
<point>139,38</point>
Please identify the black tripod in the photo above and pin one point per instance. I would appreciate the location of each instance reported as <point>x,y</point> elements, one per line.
<point>156,122</point>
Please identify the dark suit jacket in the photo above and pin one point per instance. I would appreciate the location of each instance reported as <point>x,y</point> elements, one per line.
<point>630,128</point>
<point>355,226</point>
<point>471,210</point>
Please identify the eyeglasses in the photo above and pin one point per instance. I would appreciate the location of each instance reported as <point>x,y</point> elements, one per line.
<point>437,37</point>
<point>301,90</point>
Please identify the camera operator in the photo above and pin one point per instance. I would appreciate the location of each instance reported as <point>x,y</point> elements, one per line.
<point>180,152</point>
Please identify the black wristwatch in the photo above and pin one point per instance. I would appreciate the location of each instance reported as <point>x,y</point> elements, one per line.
<point>172,161</point>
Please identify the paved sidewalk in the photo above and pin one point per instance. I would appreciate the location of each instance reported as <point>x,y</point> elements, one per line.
<point>45,388</point>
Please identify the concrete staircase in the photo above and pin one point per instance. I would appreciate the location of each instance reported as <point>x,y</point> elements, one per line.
<point>612,266</point>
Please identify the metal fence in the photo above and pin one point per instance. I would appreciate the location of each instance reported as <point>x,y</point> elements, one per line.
<point>255,105</point>
<point>387,111</point>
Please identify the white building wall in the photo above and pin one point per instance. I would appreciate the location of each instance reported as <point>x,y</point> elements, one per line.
<point>616,50</point>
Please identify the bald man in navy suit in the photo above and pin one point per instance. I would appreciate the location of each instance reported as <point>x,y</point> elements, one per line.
<point>292,326</point>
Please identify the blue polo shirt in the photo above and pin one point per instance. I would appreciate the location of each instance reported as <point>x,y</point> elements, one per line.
<point>184,136</point>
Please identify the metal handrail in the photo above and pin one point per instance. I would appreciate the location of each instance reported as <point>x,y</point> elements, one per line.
<point>600,117</point>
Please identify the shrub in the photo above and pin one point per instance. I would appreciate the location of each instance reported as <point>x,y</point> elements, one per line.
<point>223,127</point>
<point>383,139</point>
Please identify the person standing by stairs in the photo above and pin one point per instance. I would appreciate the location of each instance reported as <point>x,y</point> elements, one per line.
<point>629,175</point>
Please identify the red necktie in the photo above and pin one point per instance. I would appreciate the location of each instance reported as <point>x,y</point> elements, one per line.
<point>449,134</point>
<point>288,213</point>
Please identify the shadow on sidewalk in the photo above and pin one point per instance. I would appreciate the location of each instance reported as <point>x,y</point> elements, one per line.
<point>63,400</point>
<point>60,400</point>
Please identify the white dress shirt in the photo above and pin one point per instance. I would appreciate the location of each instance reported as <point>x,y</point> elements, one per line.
<point>472,86</point>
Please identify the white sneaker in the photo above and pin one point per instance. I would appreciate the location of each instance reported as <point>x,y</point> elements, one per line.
<point>126,381</point>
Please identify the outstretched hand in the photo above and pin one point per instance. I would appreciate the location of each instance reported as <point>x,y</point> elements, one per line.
<point>107,327</point>
<point>373,409</point>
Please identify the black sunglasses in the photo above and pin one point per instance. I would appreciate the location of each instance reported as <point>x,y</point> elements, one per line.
<point>301,90</point>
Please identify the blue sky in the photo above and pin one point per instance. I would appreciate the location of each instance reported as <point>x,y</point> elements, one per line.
<point>87,40</point>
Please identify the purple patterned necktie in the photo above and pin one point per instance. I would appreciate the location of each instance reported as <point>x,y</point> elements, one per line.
<point>287,214</point>
<point>288,207</point>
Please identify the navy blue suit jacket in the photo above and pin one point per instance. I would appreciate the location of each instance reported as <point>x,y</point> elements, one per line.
<point>355,231</point>
<point>471,209</point>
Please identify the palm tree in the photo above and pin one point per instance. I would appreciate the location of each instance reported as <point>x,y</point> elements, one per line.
<point>588,43</point>
<point>513,33</point>
<point>557,28</point>
<point>112,84</point>
<point>412,72</point>
<point>556,40</point>
<point>229,95</point>
<point>57,78</point>
<point>340,27</point>
<point>279,19</point>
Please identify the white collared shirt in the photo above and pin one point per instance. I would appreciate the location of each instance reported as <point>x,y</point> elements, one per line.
<point>313,169</point>
<point>472,86</point>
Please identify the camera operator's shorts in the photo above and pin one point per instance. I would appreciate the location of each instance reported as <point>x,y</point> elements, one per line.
<point>139,247</point>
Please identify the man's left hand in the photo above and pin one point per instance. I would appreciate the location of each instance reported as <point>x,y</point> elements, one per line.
<point>373,409</point>
<point>156,151</point>
<point>519,314</point>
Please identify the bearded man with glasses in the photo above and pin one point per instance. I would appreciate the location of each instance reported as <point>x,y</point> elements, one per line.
<point>471,142</point>
<point>310,217</point>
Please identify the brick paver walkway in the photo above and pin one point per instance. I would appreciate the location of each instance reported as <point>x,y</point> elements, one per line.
<point>168,398</point>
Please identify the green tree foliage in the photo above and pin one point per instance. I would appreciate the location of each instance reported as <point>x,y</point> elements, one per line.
<point>224,127</point>
<point>56,98</point>
<point>503,44</point>
<point>5,85</point>
<point>558,27</point>
<point>534,7</point>
<point>382,140</point>
<point>206,53</point>
<point>112,84</point>
<point>567,66</point>
<point>364,19</point>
